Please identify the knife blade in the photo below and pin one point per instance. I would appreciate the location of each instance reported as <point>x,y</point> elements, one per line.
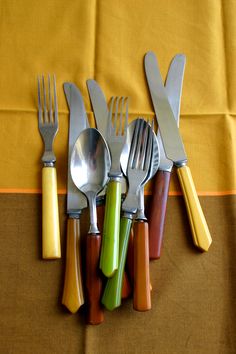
<point>73,296</point>
<point>157,210</point>
<point>174,150</point>
<point>172,141</point>
<point>99,105</point>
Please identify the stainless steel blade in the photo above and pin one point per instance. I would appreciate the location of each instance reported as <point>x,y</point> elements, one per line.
<point>173,87</point>
<point>171,139</point>
<point>99,105</point>
<point>174,83</point>
<point>78,122</point>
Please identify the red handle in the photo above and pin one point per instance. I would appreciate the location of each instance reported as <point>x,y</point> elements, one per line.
<point>157,213</point>
<point>93,279</point>
<point>142,293</point>
<point>126,287</point>
<point>73,296</point>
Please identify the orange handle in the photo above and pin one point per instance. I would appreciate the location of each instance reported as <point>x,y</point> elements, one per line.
<point>142,294</point>
<point>130,257</point>
<point>93,279</point>
<point>73,296</point>
<point>157,213</point>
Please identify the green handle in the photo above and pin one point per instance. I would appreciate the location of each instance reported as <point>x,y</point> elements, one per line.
<point>111,229</point>
<point>112,294</point>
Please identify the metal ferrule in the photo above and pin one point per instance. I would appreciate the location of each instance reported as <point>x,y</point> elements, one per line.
<point>74,215</point>
<point>128,214</point>
<point>48,158</point>
<point>166,169</point>
<point>49,164</point>
<point>115,177</point>
<point>100,200</point>
<point>140,215</point>
<point>93,229</point>
<point>181,163</point>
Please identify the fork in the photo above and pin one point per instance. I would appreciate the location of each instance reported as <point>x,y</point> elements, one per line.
<point>140,157</point>
<point>48,127</point>
<point>116,138</point>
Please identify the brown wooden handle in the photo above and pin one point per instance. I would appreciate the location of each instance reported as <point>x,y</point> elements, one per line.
<point>73,296</point>
<point>93,279</point>
<point>157,213</point>
<point>142,295</point>
<point>126,287</point>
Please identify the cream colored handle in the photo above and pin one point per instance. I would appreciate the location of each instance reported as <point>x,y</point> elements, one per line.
<point>51,247</point>
<point>201,235</point>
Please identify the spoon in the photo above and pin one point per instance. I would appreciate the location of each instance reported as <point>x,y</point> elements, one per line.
<point>89,166</point>
<point>138,256</point>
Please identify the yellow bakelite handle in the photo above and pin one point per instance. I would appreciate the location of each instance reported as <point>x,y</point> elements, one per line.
<point>51,247</point>
<point>73,295</point>
<point>200,232</point>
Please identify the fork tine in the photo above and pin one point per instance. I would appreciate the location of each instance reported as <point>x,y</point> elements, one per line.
<point>55,100</point>
<point>152,125</point>
<point>109,126</point>
<point>144,146</point>
<point>139,145</point>
<point>50,100</point>
<point>45,111</point>
<point>39,103</point>
<point>116,114</point>
<point>149,151</point>
<point>126,116</point>
<point>121,116</point>
<point>133,145</point>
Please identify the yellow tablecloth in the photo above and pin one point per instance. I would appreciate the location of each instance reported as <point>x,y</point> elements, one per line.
<point>193,294</point>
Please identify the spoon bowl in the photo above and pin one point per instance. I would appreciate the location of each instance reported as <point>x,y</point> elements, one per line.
<point>90,162</point>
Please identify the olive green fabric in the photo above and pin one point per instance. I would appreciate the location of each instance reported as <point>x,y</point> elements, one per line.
<point>193,296</point>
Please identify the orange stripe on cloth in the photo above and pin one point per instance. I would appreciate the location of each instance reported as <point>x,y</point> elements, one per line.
<point>63,192</point>
<point>26,191</point>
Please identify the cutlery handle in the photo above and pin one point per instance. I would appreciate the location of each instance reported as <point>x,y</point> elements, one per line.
<point>112,294</point>
<point>142,292</point>
<point>73,296</point>
<point>130,257</point>
<point>157,213</point>
<point>93,280</point>
<point>51,247</point>
<point>126,287</point>
<point>200,232</point>
<point>111,229</point>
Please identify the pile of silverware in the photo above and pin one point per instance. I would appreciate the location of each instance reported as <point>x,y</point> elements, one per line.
<point>110,165</point>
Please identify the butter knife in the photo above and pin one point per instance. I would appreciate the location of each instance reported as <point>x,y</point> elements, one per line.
<point>174,150</point>
<point>73,295</point>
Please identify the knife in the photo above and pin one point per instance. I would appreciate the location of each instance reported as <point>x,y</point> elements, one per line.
<point>75,203</point>
<point>174,150</point>
<point>73,296</point>
<point>173,87</point>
